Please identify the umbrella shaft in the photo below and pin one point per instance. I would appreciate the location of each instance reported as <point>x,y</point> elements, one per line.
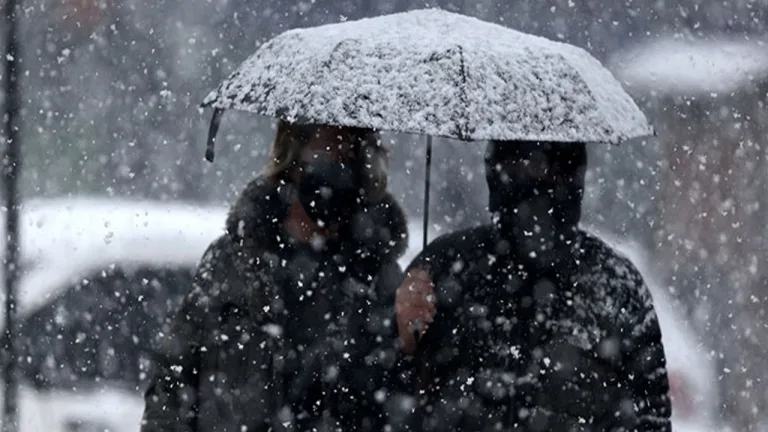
<point>426,191</point>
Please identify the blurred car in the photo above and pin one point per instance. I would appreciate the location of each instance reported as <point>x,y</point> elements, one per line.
<point>691,371</point>
<point>100,279</point>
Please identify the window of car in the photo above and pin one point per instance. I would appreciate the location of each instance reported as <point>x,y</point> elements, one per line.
<point>102,328</point>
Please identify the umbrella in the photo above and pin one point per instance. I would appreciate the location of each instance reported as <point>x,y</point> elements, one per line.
<point>434,73</point>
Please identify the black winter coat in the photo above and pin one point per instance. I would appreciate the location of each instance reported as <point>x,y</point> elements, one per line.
<point>278,336</point>
<point>513,348</point>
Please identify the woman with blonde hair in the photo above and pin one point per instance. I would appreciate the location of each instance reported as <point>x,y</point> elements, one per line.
<point>290,323</point>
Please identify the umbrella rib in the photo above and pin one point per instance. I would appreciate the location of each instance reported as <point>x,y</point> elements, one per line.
<point>464,125</point>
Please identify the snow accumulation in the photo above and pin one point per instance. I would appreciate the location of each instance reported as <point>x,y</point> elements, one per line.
<point>63,240</point>
<point>701,67</point>
<point>438,73</point>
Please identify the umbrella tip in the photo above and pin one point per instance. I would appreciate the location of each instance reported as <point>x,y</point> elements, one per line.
<point>213,129</point>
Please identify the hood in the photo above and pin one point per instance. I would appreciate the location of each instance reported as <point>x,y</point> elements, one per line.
<point>535,193</point>
<point>559,167</point>
<point>255,222</point>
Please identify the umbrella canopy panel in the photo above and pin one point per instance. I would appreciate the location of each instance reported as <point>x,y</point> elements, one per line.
<point>436,73</point>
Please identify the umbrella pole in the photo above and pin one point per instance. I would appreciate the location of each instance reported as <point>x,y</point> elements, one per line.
<point>426,191</point>
<point>425,238</point>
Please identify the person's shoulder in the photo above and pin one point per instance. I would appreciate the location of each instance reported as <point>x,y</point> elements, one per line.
<point>609,271</point>
<point>219,276</point>
<point>599,255</point>
<point>219,253</point>
<point>454,245</point>
<point>468,238</point>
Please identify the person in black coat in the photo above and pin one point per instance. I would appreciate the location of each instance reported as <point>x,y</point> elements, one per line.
<point>538,325</point>
<point>290,322</point>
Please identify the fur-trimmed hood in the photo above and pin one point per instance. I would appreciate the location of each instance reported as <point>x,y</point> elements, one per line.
<point>255,223</point>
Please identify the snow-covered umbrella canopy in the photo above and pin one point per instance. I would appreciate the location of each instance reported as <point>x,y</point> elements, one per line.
<point>435,73</point>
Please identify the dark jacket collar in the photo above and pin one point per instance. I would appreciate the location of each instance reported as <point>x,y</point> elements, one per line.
<point>379,233</point>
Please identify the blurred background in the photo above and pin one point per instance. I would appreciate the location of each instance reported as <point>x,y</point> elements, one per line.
<point>110,112</point>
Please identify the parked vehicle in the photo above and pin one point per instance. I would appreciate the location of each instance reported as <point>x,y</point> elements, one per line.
<point>100,279</point>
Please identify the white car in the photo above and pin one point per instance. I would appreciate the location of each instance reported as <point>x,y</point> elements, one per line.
<point>100,276</point>
<point>691,371</point>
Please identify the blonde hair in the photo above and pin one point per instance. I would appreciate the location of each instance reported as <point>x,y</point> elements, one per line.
<point>290,140</point>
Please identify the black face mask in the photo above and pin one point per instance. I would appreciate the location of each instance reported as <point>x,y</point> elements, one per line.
<point>329,191</point>
<point>537,211</point>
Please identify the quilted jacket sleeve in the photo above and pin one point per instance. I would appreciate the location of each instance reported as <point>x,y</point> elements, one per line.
<point>643,357</point>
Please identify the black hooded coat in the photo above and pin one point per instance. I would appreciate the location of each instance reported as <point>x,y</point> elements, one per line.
<point>279,336</point>
<point>566,342</point>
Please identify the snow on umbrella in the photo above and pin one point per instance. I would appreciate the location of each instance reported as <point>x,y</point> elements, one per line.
<point>434,73</point>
